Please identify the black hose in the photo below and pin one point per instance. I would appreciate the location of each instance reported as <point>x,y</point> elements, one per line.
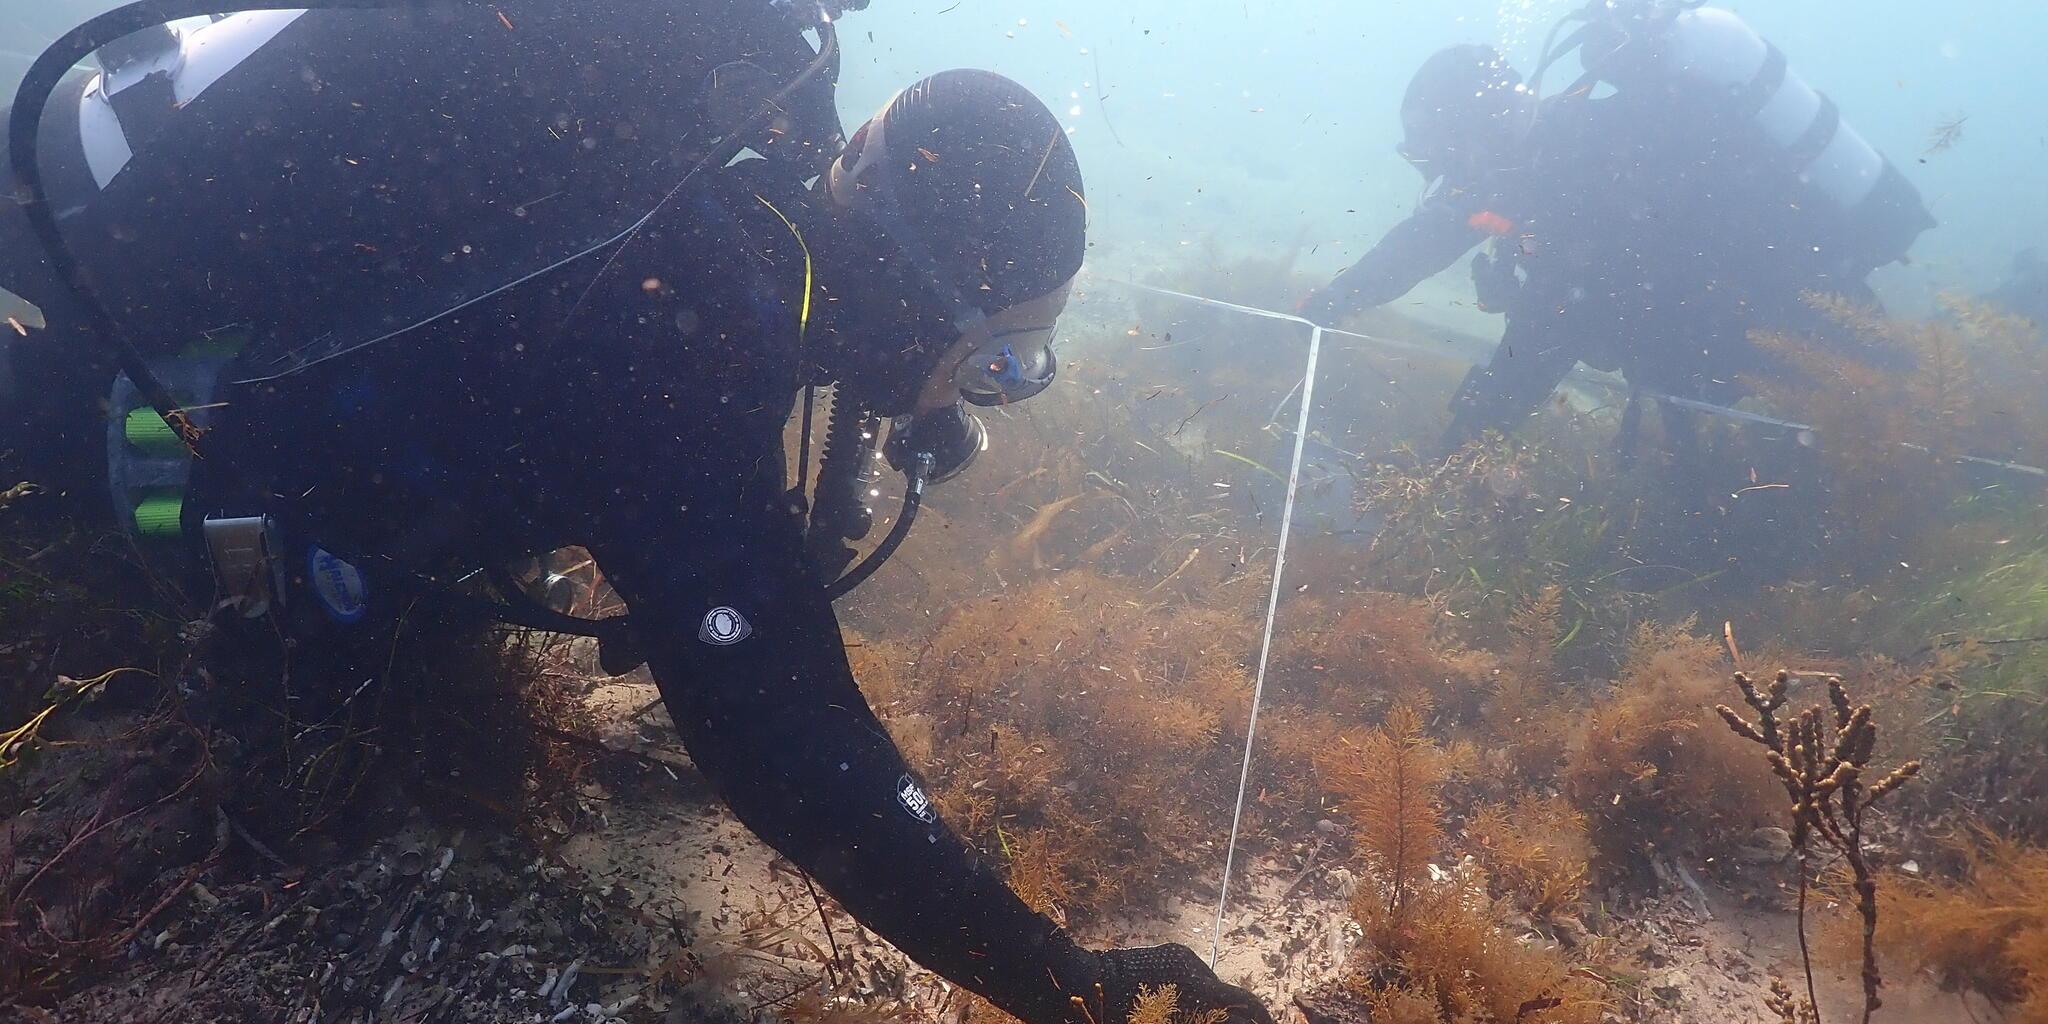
<point>913,497</point>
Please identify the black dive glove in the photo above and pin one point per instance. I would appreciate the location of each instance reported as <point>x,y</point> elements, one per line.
<point>1324,306</point>
<point>1125,971</point>
<point>1495,283</point>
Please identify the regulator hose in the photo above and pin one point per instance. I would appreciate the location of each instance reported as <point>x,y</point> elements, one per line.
<point>846,471</point>
<point>916,474</point>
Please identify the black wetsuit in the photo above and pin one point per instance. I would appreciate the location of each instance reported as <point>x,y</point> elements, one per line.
<point>1632,235</point>
<point>334,187</point>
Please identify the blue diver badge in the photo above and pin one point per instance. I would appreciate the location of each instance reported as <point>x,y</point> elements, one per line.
<point>337,584</point>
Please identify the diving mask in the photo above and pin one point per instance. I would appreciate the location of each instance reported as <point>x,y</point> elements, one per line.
<point>1004,350</point>
<point>1004,358</point>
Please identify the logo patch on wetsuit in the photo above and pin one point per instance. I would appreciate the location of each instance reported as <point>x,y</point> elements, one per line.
<point>914,800</point>
<point>338,585</point>
<point>724,626</point>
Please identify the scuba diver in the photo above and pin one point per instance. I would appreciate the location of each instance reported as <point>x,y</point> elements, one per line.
<point>402,295</point>
<point>1686,189</point>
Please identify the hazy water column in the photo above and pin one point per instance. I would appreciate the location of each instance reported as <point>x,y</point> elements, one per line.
<point>1261,124</point>
<point>1264,123</point>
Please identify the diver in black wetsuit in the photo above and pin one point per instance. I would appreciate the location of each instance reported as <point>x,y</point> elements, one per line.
<point>325,198</point>
<point>1688,189</point>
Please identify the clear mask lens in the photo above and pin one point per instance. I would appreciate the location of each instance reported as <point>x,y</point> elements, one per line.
<point>1014,366</point>
<point>1424,154</point>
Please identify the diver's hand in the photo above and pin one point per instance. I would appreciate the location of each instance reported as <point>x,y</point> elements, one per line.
<point>1332,304</point>
<point>1196,987</point>
<point>1322,306</point>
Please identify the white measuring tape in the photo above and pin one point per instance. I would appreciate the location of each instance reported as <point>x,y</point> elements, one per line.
<point>1251,729</point>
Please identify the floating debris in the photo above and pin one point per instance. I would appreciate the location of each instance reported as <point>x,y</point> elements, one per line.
<point>1945,135</point>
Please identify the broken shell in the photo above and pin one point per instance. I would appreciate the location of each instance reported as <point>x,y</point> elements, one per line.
<point>441,868</point>
<point>568,979</point>
<point>410,862</point>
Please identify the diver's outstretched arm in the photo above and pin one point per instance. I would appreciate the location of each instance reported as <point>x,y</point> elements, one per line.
<point>747,652</point>
<point>1411,252</point>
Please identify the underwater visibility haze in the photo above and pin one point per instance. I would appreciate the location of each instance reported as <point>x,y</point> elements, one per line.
<point>955,511</point>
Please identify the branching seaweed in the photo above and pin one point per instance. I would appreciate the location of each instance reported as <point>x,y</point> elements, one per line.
<point>1061,728</point>
<point>1647,775</point>
<point>1892,417</point>
<point>1535,851</point>
<point>1389,781</point>
<point>1162,1006</point>
<point>1821,757</point>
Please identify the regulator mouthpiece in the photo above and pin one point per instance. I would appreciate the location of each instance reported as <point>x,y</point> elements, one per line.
<point>952,437</point>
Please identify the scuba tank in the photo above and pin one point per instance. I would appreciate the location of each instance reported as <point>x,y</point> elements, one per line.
<point>161,401</point>
<point>1683,45</point>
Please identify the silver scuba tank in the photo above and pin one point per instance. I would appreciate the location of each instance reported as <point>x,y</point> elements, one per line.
<point>147,76</point>
<point>1719,51</point>
<point>1715,53</point>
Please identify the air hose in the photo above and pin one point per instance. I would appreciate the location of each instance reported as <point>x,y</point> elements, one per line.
<point>919,470</point>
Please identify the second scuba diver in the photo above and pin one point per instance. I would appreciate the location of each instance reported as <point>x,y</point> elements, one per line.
<point>1687,189</point>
